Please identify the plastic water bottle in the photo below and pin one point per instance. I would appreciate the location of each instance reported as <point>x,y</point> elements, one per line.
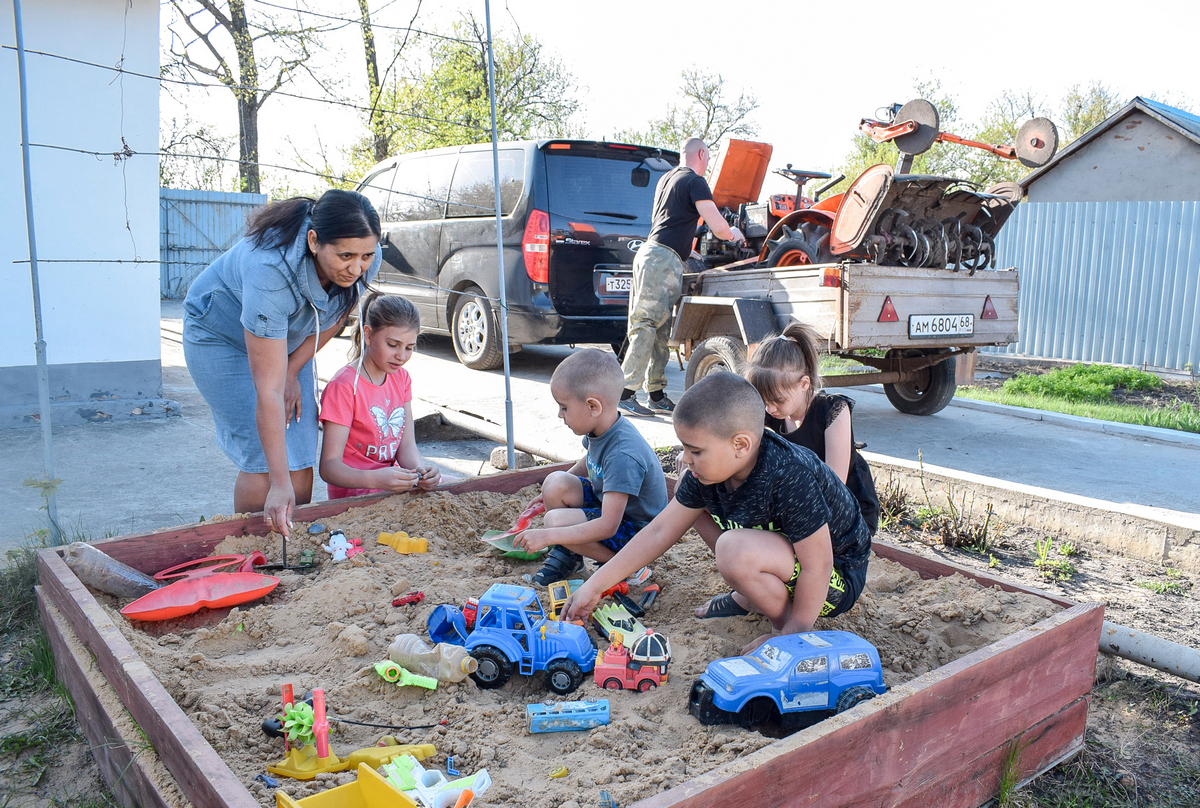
<point>444,662</point>
<point>102,572</point>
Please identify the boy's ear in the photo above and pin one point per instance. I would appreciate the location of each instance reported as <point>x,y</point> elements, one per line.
<point>595,406</point>
<point>743,444</point>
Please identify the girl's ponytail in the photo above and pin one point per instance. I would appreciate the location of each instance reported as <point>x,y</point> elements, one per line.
<point>781,362</point>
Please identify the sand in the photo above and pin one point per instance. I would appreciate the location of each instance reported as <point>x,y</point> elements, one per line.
<point>327,629</point>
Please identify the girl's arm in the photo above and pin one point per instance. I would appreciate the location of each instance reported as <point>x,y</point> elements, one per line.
<point>269,368</point>
<point>334,469</point>
<point>296,362</point>
<point>839,444</point>
<point>409,456</point>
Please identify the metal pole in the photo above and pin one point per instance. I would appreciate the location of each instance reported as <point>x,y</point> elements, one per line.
<point>508,408</point>
<point>40,344</point>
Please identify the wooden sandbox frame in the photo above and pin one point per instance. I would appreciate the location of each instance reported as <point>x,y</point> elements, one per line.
<point>937,740</point>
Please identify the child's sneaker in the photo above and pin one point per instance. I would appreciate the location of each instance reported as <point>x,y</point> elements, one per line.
<point>640,577</point>
<point>560,564</point>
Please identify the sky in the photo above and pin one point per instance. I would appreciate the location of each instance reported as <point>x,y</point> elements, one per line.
<point>816,69</point>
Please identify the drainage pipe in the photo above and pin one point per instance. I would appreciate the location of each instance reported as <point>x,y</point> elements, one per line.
<point>497,433</point>
<point>1154,652</point>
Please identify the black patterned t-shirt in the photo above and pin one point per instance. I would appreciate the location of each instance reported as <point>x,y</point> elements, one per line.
<point>791,492</point>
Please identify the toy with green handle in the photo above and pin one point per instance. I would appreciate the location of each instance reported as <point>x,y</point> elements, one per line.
<point>391,672</point>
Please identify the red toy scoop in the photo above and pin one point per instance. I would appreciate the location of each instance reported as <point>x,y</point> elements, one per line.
<point>201,584</point>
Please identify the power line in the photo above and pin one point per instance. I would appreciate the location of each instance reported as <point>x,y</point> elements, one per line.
<point>352,21</point>
<point>283,93</point>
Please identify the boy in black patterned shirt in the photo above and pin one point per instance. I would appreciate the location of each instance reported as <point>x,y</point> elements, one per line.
<point>788,536</point>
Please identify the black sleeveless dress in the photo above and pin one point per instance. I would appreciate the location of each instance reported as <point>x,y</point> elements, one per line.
<point>825,408</point>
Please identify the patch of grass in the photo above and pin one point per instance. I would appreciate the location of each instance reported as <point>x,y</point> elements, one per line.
<point>1051,568</point>
<point>894,507</point>
<point>1082,382</point>
<point>1182,415</point>
<point>1163,587</point>
<point>1010,771</point>
<point>1066,549</point>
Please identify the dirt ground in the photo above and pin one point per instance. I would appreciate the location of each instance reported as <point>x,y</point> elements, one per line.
<point>326,629</point>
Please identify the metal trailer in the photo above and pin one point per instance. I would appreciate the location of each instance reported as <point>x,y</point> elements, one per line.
<point>908,323</point>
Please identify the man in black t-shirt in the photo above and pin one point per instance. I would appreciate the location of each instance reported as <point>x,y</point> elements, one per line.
<point>681,198</point>
<point>788,536</point>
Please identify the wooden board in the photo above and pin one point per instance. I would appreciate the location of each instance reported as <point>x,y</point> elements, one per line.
<point>937,740</point>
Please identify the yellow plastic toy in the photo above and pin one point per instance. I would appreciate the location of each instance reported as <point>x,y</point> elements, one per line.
<point>401,542</point>
<point>370,790</point>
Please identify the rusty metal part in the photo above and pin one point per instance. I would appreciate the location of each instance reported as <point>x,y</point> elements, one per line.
<point>1037,141</point>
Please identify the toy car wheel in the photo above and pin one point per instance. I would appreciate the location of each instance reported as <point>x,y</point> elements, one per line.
<point>562,676</point>
<point>758,711</point>
<point>494,669</point>
<point>612,684</point>
<point>852,696</point>
<point>646,684</point>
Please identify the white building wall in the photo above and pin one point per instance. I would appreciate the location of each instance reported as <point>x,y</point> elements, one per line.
<point>101,320</point>
<point>1137,160</point>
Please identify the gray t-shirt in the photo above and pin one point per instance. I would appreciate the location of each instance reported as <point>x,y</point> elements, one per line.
<point>621,461</point>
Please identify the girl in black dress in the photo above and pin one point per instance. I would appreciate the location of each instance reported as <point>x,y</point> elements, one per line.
<point>785,371</point>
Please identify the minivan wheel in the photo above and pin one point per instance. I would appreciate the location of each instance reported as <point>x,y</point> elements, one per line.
<point>475,332</point>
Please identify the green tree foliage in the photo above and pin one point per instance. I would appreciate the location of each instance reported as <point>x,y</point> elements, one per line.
<point>442,100</point>
<point>1083,108</point>
<point>707,113</point>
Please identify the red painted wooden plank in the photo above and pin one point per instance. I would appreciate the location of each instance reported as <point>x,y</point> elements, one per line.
<point>201,774</point>
<point>932,568</point>
<point>918,734</point>
<point>158,549</point>
<point>120,767</point>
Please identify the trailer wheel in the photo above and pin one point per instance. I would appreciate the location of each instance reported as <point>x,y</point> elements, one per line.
<point>712,356</point>
<point>927,391</point>
<point>791,252</point>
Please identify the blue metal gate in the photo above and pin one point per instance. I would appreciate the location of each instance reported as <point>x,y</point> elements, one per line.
<point>1115,282</point>
<point>195,228</point>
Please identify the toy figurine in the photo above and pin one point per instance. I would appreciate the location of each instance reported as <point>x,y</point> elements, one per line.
<point>338,546</point>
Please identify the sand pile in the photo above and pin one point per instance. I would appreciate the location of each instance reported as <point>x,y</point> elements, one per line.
<point>327,629</point>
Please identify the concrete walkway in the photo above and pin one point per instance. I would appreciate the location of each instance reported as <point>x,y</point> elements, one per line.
<point>119,478</point>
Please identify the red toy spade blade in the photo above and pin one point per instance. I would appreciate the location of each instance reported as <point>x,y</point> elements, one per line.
<point>189,595</point>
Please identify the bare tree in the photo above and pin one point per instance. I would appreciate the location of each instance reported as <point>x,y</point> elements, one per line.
<point>193,156</point>
<point>380,131</point>
<point>706,114</point>
<point>218,40</point>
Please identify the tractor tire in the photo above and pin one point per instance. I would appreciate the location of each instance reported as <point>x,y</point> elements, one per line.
<point>852,696</point>
<point>791,252</point>
<point>495,669</point>
<point>929,391</point>
<point>475,331</point>
<point>646,685</point>
<point>712,356</point>
<point>563,676</point>
<point>612,683</point>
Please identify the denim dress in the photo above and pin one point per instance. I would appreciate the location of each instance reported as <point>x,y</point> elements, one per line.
<point>273,293</point>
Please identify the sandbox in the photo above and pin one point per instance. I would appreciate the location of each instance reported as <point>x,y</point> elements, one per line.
<point>969,668</point>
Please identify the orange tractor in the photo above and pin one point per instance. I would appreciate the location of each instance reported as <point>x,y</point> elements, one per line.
<point>887,216</point>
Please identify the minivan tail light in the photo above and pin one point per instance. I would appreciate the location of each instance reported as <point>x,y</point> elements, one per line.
<point>535,246</point>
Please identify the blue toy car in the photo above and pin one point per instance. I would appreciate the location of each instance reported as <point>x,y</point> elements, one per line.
<point>790,678</point>
<point>513,634</point>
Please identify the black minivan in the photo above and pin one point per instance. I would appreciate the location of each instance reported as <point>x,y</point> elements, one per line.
<point>574,213</point>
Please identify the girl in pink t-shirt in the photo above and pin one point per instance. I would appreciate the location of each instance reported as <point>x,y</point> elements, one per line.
<point>366,408</point>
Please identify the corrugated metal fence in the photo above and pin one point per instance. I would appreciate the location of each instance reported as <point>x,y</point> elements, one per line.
<point>195,228</point>
<point>1115,282</point>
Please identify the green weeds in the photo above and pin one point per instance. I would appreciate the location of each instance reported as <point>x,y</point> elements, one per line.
<point>1082,382</point>
<point>1052,568</point>
<point>1163,587</point>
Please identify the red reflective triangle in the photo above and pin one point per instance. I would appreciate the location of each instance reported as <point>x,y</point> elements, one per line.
<point>888,313</point>
<point>989,311</point>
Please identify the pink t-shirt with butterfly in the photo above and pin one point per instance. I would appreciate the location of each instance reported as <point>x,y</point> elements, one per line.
<point>375,416</point>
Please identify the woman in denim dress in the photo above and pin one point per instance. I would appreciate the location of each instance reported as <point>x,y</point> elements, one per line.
<point>253,321</point>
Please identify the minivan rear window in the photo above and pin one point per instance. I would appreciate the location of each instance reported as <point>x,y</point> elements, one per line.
<point>472,193</point>
<point>588,186</point>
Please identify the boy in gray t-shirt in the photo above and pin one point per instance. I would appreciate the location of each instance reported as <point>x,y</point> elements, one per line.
<point>624,487</point>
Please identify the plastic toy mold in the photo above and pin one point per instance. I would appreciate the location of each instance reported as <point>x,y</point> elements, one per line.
<point>401,542</point>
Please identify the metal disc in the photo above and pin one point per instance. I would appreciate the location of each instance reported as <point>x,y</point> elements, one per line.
<point>1037,141</point>
<point>925,135</point>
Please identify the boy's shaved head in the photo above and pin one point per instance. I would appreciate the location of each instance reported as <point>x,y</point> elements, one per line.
<point>590,373</point>
<point>722,404</point>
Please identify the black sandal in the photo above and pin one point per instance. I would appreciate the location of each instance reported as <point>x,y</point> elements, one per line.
<point>723,606</point>
<point>560,564</point>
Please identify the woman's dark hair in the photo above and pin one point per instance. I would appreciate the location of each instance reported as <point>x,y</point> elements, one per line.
<point>381,311</point>
<point>337,214</point>
<point>780,362</point>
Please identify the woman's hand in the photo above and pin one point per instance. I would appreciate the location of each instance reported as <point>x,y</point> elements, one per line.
<point>291,398</point>
<point>431,477</point>
<point>397,479</point>
<point>277,511</point>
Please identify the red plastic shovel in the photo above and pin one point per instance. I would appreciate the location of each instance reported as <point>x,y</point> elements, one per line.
<point>202,584</point>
